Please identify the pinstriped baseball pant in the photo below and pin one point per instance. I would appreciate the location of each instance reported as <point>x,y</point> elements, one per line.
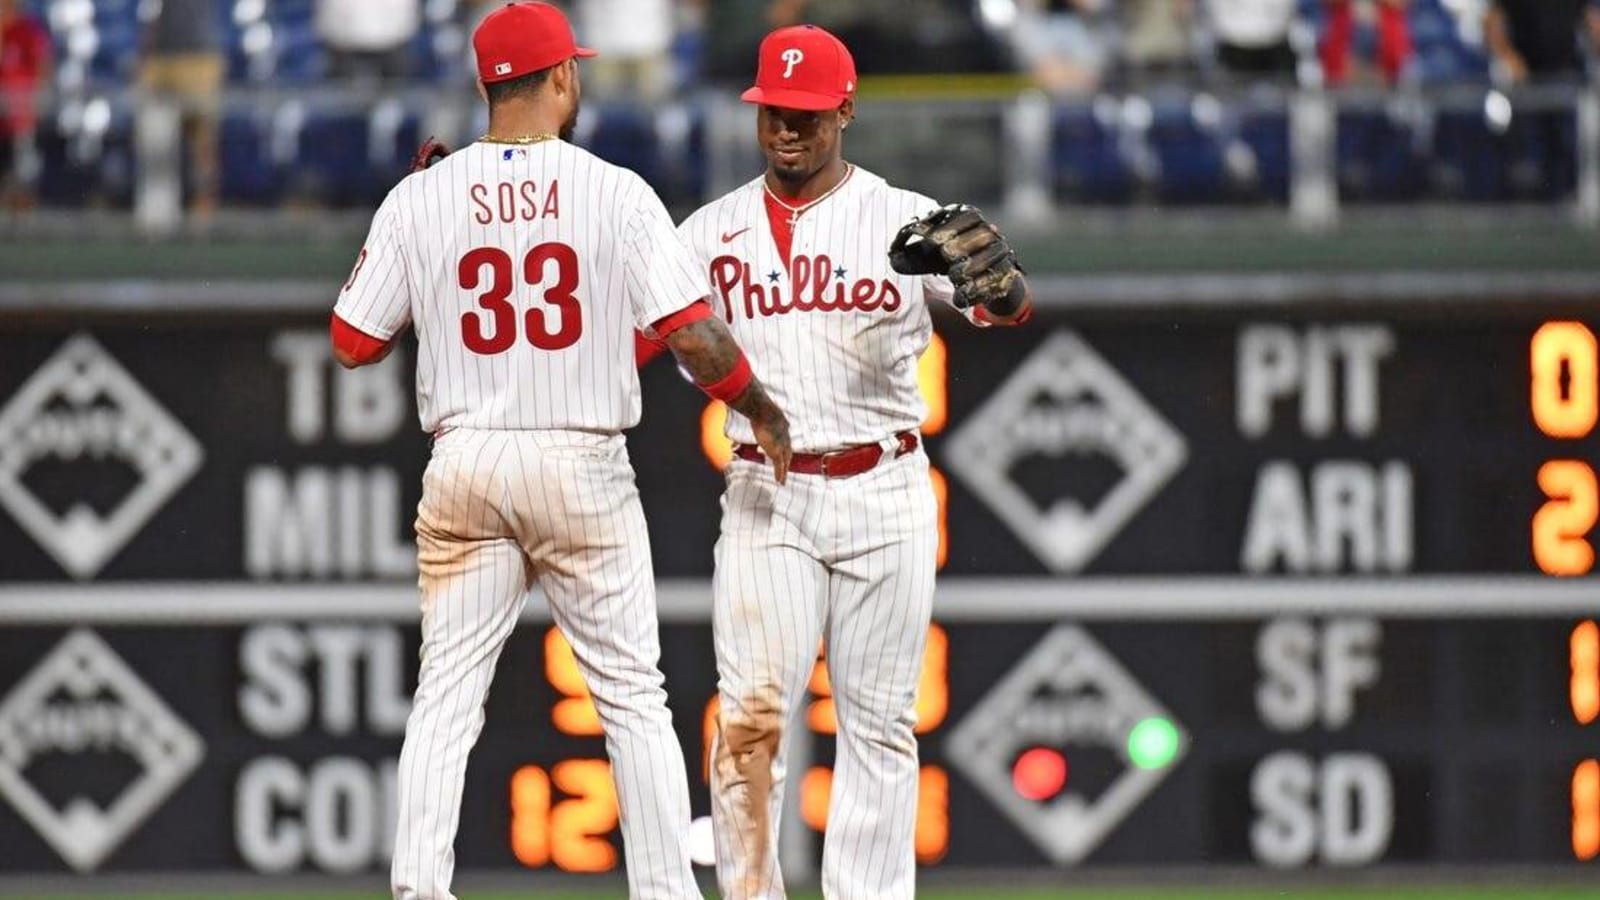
<point>501,510</point>
<point>850,561</point>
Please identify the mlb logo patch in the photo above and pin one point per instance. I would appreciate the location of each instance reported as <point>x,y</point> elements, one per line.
<point>510,153</point>
<point>502,68</point>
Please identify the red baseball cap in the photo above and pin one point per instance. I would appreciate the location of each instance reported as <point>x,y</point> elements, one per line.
<point>803,67</point>
<point>520,38</point>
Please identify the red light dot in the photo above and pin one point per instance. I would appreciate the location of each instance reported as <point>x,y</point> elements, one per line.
<point>1039,774</point>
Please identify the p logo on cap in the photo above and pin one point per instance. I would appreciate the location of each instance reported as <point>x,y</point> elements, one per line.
<point>791,57</point>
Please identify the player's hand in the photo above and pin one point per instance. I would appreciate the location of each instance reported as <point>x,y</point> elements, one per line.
<point>771,428</point>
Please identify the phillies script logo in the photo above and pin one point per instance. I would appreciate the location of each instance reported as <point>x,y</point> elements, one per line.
<point>815,285</point>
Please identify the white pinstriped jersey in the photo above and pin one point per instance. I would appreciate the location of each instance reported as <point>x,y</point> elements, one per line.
<point>835,335</point>
<point>525,270</point>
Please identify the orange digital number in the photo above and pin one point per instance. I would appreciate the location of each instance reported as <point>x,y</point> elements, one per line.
<point>578,826</point>
<point>1561,526</point>
<point>933,815</point>
<point>1564,360</point>
<point>530,816</point>
<point>933,688</point>
<point>708,732</point>
<point>713,443</point>
<point>815,789</point>
<point>933,372</point>
<point>820,715</point>
<point>933,808</point>
<point>575,713</point>
<point>1586,672</point>
<point>572,834</point>
<point>1586,810</point>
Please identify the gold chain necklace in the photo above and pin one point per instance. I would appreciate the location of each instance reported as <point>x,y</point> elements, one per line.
<point>795,211</point>
<point>519,139</point>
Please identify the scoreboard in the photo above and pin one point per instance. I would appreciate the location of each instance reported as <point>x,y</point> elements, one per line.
<point>1293,740</point>
<point>1237,585</point>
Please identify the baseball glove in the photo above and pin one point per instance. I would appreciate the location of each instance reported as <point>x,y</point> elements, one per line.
<point>957,241</point>
<point>429,153</point>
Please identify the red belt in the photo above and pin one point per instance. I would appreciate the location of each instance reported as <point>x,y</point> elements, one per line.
<point>837,463</point>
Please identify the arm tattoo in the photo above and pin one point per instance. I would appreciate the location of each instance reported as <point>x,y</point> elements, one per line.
<point>708,351</point>
<point>755,405</point>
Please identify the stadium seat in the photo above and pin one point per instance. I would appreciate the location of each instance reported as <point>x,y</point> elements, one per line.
<point>1087,162</point>
<point>88,163</point>
<point>1541,155</point>
<point>1266,134</point>
<point>681,130</point>
<point>333,159</point>
<point>1377,158</point>
<point>1468,158</point>
<point>249,174</point>
<point>626,137</point>
<point>299,57</point>
<point>1442,56</point>
<point>116,52</point>
<point>1189,153</point>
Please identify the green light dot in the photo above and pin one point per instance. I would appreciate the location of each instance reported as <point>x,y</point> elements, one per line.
<point>1153,743</point>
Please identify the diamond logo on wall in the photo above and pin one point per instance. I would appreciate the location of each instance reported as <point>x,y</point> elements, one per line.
<point>84,707</point>
<point>81,408</point>
<point>1071,698</point>
<point>1066,452</point>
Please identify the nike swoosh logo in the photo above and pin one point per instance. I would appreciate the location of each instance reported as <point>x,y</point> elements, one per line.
<point>728,237</point>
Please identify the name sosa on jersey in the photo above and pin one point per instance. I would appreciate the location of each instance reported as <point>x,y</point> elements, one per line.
<point>817,287</point>
<point>515,202</point>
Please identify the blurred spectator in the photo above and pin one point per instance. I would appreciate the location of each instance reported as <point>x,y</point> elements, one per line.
<point>368,40</point>
<point>1394,49</point>
<point>634,38</point>
<point>886,36</point>
<point>876,31</point>
<point>1253,35</point>
<point>24,66</point>
<point>183,63</point>
<point>1538,39</point>
<point>1157,34</point>
<point>1066,45</point>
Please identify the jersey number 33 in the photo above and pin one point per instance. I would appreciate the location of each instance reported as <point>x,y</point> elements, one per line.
<point>495,329</point>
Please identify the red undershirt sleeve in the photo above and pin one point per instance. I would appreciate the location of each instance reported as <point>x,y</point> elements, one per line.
<point>647,347</point>
<point>359,345</point>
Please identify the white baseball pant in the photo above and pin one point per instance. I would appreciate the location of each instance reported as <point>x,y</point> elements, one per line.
<point>850,560</point>
<point>501,510</point>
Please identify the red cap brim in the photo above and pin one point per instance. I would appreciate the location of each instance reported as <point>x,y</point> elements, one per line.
<point>786,98</point>
<point>585,52</point>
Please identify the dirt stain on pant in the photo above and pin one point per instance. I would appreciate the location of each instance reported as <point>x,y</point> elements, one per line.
<point>747,744</point>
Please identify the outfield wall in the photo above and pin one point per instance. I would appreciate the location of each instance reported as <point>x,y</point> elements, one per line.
<point>1228,581</point>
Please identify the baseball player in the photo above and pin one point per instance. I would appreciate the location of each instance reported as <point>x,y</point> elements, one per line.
<point>524,264</point>
<point>815,275</point>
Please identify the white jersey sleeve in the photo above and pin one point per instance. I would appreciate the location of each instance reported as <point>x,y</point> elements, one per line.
<point>376,299</point>
<point>662,275</point>
<point>938,287</point>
